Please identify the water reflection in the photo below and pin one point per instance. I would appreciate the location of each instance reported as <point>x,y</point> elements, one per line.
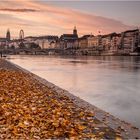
<point>111,83</point>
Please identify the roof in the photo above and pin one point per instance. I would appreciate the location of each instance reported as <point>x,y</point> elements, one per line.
<point>109,35</point>
<point>3,39</point>
<point>16,40</point>
<point>42,37</point>
<point>68,37</point>
<point>132,30</point>
<point>85,37</point>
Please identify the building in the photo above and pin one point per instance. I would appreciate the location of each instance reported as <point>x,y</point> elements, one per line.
<point>76,44</point>
<point>2,43</point>
<point>106,41</point>
<point>83,41</point>
<point>95,42</point>
<point>68,37</point>
<point>138,49</point>
<point>130,40</point>
<point>57,44</point>
<point>14,43</point>
<point>90,41</point>
<point>115,43</point>
<point>43,41</point>
<point>67,40</point>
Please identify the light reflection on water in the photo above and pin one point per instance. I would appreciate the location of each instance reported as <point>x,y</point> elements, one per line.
<point>110,82</point>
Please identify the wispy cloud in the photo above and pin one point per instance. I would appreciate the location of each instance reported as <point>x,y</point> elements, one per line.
<point>18,10</point>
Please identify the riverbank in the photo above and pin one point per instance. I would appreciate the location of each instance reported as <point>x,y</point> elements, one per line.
<point>33,108</point>
<point>62,52</point>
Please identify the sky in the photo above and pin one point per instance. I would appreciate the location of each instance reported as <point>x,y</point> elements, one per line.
<point>43,17</point>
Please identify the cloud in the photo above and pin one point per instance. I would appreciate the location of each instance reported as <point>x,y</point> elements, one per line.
<point>18,10</point>
<point>54,20</point>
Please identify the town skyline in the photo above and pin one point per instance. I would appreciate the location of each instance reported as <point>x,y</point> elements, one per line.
<point>124,43</point>
<point>24,34</point>
<point>58,17</point>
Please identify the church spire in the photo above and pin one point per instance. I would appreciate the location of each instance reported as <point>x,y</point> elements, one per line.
<point>8,37</point>
<point>75,30</point>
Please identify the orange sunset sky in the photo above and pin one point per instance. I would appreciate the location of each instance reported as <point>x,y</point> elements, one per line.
<point>40,17</point>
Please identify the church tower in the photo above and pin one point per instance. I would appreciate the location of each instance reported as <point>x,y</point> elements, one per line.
<point>8,37</point>
<point>75,30</point>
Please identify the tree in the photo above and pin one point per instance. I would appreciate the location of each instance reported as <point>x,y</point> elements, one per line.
<point>13,47</point>
<point>21,45</point>
<point>34,46</point>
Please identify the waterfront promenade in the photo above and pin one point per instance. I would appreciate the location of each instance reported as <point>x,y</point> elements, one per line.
<point>32,108</point>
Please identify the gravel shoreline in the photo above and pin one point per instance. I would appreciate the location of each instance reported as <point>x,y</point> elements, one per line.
<point>82,120</point>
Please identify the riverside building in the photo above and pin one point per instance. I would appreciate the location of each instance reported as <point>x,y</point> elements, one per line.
<point>67,41</point>
<point>130,40</point>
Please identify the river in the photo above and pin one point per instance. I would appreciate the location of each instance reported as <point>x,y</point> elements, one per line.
<point>111,83</point>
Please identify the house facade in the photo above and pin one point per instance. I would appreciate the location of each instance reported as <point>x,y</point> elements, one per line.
<point>130,40</point>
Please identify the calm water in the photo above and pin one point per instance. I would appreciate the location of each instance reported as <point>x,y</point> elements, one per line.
<point>110,82</point>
